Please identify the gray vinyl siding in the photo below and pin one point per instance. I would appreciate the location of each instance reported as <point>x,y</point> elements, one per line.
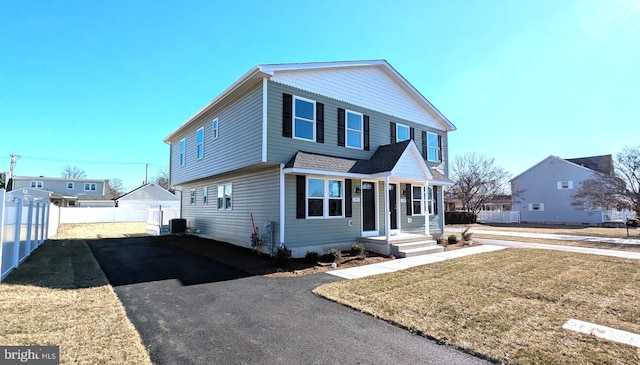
<point>280,149</point>
<point>254,193</point>
<point>540,185</point>
<point>318,232</point>
<point>239,142</point>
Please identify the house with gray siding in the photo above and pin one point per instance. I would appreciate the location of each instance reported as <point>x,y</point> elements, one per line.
<point>68,192</point>
<point>548,188</point>
<point>322,155</point>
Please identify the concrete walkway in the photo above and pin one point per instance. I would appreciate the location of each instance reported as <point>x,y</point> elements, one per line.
<point>560,237</point>
<point>544,246</point>
<point>405,263</point>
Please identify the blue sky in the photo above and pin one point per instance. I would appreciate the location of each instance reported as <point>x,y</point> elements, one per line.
<point>100,84</point>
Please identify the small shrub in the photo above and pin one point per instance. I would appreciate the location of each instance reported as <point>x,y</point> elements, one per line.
<point>452,239</point>
<point>357,249</point>
<point>466,235</point>
<point>334,255</point>
<point>283,256</point>
<point>311,257</point>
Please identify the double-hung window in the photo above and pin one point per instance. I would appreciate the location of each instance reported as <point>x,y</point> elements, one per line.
<point>182,152</point>
<point>192,197</point>
<point>353,130</point>
<point>430,200</point>
<point>90,186</point>
<point>37,184</point>
<point>200,140</point>
<point>215,128</point>
<point>433,147</point>
<point>224,197</point>
<point>325,198</point>
<point>205,195</point>
<point>416,199</point>
<point>304,119</point>
<point>70,185</point>
<point>402,132</point>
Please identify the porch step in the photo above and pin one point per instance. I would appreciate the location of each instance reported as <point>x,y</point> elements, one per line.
<point>415,248</point>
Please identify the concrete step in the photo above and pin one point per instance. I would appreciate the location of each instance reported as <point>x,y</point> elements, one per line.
<point>419,251</point>
<point>414,244</point>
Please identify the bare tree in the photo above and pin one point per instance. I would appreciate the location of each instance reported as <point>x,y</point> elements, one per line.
<point>72,172</point>
<point>620,190</point>
<point>162,179</point>
<point>477,180</point>
<point>115,188</point>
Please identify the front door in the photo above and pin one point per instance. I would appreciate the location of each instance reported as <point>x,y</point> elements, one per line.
<point>368,206</point>
<point>393,206</point>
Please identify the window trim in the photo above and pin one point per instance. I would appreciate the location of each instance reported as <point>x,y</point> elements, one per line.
<point>398,125</point>
<point>90,185</point>
<point>568,182</point>
<point>215,124</point>
<point>200,143</point>
<point>224,207</point>
<point>326,198</point>
<point>294,117</point>
<point>532,207</point>
<point>347,129</point>
<point>183,150</point>
<point>192,197</point>
<point>72,184</point>
<point>435,148</point>
<point>421,200</point>
<point>36,184</point>
<point>205,195</point>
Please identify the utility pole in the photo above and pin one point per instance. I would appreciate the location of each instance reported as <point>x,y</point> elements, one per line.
<point>12,165</point>
<point>146,174</point>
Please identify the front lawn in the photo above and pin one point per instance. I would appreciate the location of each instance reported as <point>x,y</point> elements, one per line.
<point>510,305</point>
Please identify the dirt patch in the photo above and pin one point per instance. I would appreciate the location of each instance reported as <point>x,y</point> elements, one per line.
<point>100,230</point>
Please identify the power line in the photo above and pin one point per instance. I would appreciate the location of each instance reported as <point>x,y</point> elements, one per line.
<point>86,161</point>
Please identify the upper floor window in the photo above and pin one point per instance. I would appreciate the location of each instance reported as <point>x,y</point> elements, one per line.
<point>534,207</point>
<point>304,124</point>
<point>90,186</point>
<point>225,193</point>
<point>37,184</point>
<point>433,147</point>
<point>70,185</point>
<point>354,135</point>
<point>182,152</point>
<point>325,198</point>
<point>565,185</point>
<point>205,195</point>
<point>200,140</point>
<point>402,132</point>
<point>215,128</point>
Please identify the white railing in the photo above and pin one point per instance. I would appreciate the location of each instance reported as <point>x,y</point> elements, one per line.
<point>617,215</point>
<point>24,225</point>
<point>486,216</point>
<point>159,217</point>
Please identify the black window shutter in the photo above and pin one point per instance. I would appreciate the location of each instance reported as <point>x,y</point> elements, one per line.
<point>347,196</point>
<point>409,201</point>
<point>365,122</point>
<point>424,145</point>
<point>300,196</point>
<point>412,134</point>
<point>393,132</point>
<point>439,148</point>
<point>287,110</point>
<point>341,127</point>
<point>435,200</point>
<point>319,123</point>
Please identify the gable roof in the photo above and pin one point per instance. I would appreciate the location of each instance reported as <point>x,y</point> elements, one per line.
<point>269,71</point>
<point>150,192</point>
<point>602,164</point>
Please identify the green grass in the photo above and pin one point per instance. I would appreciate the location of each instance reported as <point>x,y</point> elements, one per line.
<point>509,305</point>
<point>59,296</point>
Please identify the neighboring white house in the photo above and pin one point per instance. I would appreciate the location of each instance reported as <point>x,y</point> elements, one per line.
<point>148,196</point>
<point>549,186</point>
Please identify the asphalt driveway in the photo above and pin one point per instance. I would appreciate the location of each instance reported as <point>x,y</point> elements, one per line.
<point>190,309</point>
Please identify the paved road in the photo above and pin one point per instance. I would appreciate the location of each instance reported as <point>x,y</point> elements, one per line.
<point>193,310</point>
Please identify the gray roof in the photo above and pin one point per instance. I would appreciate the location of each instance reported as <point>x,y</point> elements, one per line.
<point>437,176</point>
<point>602,164</point>
<point>150,192</point>
<point>384,159</point>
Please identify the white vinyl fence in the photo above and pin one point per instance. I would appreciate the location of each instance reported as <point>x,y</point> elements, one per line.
<point>617,215</point>
<point>486,216</point>
<point>24,225</point>
<point>158,220</point>
<point>70,215</point>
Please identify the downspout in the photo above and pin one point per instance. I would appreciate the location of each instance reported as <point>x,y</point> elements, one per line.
<point>282,191</point>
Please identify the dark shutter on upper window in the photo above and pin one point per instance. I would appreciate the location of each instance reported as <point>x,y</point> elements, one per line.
<point>365,122</point>
<point>393,132</point>
<point>412,134</point>
<point>319,123</point>
<point>287,110</point>
<point>300,196</point>
<point>435,200</point>
<point>439,148</point>
<point>409,201</point>
<point>347,196</point>
<point>341,127</point>
<point>424,144</point>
